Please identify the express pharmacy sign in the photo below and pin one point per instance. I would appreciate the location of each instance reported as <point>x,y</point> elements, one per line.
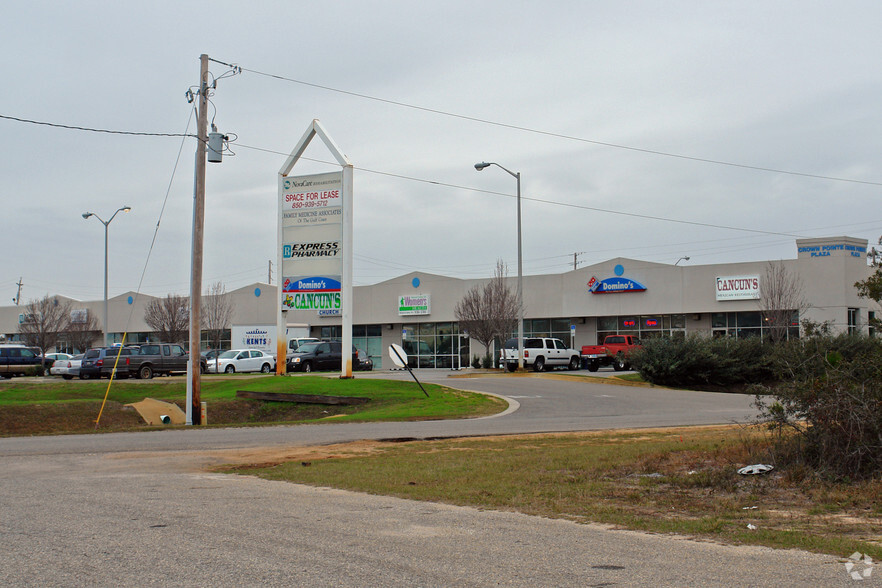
<point>738,287</point>
<point>311,250</point>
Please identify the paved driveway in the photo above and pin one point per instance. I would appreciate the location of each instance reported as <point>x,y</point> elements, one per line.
<point>135,510</point>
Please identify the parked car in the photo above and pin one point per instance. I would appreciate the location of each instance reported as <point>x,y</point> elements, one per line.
<point>320,356</point>
<point>365,363</point>
<point>242,360</point>
<point>17,360</point>
<point>540,353</point>
<point>615,350</point>
<point>210,354</point>
<point>161,358</point>
<point>67,368</point>
<point>50,357</point>
<point>99,362</point>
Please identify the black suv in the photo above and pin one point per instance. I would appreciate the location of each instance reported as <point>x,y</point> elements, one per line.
<point>321,355</point>
<point>99,362</point>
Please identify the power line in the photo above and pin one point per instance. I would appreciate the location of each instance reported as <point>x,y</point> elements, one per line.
<point>551,202</point>
<point>560,135</point>
<point>93,130</point>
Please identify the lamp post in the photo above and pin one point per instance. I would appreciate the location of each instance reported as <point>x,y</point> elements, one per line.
<point>517,176</point>
<point>106,224</point>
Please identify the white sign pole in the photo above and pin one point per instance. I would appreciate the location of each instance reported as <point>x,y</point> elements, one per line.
<point>320,285</point>
<point>281,322</point>
<point>346,278</point>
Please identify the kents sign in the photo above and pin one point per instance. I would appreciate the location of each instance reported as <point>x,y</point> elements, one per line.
<point>738,287</point>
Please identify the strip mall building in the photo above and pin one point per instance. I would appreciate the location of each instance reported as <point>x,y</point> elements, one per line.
<point>580,307</point>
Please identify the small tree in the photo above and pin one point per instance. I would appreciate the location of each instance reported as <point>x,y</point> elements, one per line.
<point>217,313</point>
<point>169,318</point>
<point>489,310</point>
<point>82,329</point>
<point>872,287</point>
<point>43,321</point>
<point>781,294</point>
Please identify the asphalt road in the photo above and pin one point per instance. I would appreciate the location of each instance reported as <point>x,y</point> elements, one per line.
<point>136,509</point>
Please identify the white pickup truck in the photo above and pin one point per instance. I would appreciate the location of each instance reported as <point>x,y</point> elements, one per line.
<point>539,353</point>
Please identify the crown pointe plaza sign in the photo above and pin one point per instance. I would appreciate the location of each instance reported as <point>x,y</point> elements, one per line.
<point>315,243</point>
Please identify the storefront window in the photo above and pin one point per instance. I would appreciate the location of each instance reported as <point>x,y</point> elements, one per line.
<point>369,338</point>
<point>435,345</point>
<point>650,323</point>
<point>748,324</point>
<point>749,319</point>
<point>607,323</point>
<point>540,328</point>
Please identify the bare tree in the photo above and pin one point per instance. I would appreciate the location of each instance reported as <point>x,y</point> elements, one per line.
<point>82,329</point>
<point>781,295</point>
<point>217,313</point>
<point>489,310</point>
<point>169,318</point>
<point>43,321</point>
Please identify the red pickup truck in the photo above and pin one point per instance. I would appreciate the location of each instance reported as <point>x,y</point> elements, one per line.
<point>615,350</point>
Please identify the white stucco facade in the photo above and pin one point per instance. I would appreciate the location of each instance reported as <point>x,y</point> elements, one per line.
<point>626,295</point>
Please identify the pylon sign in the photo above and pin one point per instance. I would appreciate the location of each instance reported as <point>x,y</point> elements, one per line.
<point>314,249</point>
<point>312,236</point>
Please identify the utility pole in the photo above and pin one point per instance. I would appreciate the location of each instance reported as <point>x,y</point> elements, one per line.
<point>194,383</point>
<point>17,298</point>
<point>269,274</point>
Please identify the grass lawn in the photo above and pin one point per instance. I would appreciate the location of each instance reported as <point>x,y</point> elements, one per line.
<point>29,406</point>
<point>680,481</point>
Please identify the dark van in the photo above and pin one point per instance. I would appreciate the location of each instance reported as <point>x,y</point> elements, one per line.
<point>99,362</point>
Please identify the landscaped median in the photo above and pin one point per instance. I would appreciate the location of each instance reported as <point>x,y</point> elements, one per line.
<point>32,407</point>
<point>681,481</point>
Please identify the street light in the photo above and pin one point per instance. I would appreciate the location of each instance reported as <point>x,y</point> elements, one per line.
<point>684,258</point>
<point>106,223</point>
<point>517,176</point>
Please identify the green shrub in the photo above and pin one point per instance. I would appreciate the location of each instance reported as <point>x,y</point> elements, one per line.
<point>702,361</point>
<point>476,362</point>
<point>487,362</point>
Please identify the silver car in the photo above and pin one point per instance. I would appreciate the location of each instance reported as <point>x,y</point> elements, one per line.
<point>242,360</point>
<point>67,368</point>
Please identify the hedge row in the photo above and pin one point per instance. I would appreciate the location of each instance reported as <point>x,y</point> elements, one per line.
<point>701,361</point>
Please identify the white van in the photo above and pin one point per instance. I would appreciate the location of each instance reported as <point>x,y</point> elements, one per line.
<point>296,342</point>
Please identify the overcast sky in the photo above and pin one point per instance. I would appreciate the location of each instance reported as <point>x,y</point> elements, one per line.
<point>638,128</point>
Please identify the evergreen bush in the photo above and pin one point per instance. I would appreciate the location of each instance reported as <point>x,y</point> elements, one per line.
<point>702,361</point>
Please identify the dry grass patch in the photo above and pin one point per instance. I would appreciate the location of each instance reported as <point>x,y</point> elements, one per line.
<point>679,480</point>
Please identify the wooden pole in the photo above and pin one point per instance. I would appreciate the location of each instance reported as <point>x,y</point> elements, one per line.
<point>194,407</point>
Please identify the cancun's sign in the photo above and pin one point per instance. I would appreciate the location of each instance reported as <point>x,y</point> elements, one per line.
<point>738,287</point>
